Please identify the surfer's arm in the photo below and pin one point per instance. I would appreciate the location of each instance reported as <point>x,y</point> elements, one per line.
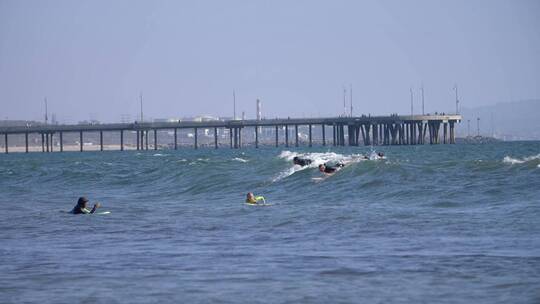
<point>97,205</point>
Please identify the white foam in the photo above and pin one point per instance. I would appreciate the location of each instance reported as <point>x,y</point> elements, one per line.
<point>288,155</point>
<point>374,156</point>
<point>509,160</point>
<point>321,158</point>
<point>240,160</point>
<point>513,161</point>
<point>316,160</point>
<point>534,157</point>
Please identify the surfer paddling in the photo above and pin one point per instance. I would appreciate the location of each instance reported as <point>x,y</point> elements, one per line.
<point>324,168</point>
<point>302,162</point>
<point>252,199</point>
<point>80,208</point>
<point>379,155</point>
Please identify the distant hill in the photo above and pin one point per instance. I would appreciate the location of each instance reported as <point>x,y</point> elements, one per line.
<point>519,120</point>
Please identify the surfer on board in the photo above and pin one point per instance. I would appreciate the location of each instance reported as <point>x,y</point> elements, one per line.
<point>324,168</point>
<point>80,208</point>
<point>252,199</point>
<point>301,161</point>
<point>379,155</point>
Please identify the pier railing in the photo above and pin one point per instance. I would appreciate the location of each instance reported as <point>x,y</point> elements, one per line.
<point>368,130</point>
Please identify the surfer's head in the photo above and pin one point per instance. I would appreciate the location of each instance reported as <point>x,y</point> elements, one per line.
<point>380,154</point>
<point>82,202</point>
<point>250,198</point>
<point>296,160</point>
<point>322,167</point>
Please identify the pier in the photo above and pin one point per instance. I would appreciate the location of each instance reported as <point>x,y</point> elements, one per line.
<point>335,131</point>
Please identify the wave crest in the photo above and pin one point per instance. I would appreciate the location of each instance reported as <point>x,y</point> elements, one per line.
<point>318,159</point>
<point>513,161</point>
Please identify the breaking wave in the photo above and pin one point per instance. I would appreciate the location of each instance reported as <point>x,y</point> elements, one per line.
<point>321,158</point>
<point>513,161</point>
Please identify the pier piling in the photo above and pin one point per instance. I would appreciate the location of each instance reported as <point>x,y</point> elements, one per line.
<point>239,137</point>
<point>445,132</point>
<point>215,138</point>
<point>296,135</point>
<point>334,135</point>
<point>256,137</point>
<point>196,144</point>
<point>310,136</point>
<point>277,137</point>
<point>155,139</point>
<point>323,127</point>
<point>176,138</point>
<point>100,140</point>
<point>81,140</point>
<point>146,139</point>
<point>235,134</point>
<point>286,135</point>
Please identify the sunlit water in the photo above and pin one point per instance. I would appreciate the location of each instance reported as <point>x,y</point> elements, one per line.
<point>431,224</point>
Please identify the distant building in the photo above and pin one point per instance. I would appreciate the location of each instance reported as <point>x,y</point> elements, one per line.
<point>19,123</point>
<point>203,118</point>
<point>166,120</point>
<point>89,122</point>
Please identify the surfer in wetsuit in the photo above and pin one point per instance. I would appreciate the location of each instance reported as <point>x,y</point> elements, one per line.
<point>330,170</point>
<point>301,161</point>
<point>379,155</point>
<point>80,208</point>
<point>252,199</point>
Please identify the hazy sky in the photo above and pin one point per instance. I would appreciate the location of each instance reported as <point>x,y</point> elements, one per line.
<point>92,58</point>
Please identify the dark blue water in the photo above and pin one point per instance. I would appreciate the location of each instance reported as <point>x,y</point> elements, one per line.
<point>445,224</point>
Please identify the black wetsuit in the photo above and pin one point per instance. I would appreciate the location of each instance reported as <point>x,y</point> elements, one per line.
<point>328,169</point>
<point>302,162</point>
<point>81,210</point>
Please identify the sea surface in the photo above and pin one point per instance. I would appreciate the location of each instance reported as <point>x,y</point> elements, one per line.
<point>427,224</point>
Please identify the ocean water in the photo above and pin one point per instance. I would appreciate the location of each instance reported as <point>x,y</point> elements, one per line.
<point>427,224</point>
